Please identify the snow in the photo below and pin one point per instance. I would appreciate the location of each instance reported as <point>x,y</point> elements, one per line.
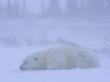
<point>11,59</point>
<point>22,37</point>
<point>26,32</point>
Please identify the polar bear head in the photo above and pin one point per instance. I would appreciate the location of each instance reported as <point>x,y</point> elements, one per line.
<point>32,63</point>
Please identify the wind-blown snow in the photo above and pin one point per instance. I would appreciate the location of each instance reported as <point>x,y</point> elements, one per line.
<point>26,32</point>
<point>28,26</point>
<point>22,37</point>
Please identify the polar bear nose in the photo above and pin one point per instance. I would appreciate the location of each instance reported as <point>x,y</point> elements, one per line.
<point>22,68</point>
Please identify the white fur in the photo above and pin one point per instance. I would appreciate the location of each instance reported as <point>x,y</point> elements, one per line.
<point>65,57</point>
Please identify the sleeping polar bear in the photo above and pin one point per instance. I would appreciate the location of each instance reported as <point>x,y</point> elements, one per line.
<point>65,57</point>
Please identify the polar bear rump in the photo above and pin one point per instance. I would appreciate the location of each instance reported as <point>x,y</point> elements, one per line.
<point>61,58</point>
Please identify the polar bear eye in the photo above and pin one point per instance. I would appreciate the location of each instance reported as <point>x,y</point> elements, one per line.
<point>35,58</point>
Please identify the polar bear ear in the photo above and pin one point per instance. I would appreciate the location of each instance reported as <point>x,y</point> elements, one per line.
<point>35,58</point>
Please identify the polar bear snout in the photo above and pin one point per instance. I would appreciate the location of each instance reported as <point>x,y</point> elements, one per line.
<point>22,68</point>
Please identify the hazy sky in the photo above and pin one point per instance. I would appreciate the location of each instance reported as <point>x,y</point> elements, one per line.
<point>34,6</point>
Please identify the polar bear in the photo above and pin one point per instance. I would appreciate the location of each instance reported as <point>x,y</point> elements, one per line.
<point>65,57</point>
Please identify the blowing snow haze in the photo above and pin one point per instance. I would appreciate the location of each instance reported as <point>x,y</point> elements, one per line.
<point>30,26</point>
<point>56,7</point>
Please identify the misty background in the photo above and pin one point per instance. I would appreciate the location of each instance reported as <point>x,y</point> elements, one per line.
<point>44,22</point>
<point>54,7</point>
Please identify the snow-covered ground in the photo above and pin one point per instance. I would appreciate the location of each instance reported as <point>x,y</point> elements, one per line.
<point>11,59</point>
<point>21,37</point>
